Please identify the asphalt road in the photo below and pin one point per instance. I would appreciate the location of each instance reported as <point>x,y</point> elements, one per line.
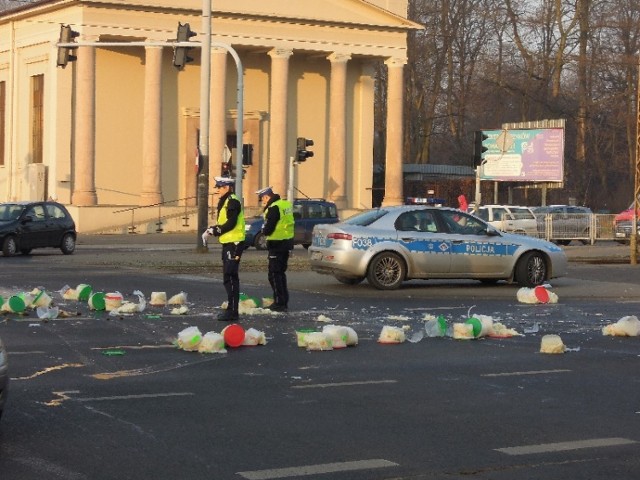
<point>438,408</point>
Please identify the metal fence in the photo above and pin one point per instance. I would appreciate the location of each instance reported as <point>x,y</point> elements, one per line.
<point>584,227</point>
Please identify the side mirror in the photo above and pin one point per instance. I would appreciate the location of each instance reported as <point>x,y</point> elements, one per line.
<point>492,232</point>
<point>27,219</point>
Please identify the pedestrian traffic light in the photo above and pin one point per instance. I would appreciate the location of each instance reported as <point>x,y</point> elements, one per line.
<point>301,149</point>
<point>180,54</point>
<point>478,147</point>
<point>65,54</point>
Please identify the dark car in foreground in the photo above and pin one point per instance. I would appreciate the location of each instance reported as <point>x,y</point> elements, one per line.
<point>28,225</point>
<point>307,213</point>
<point>392,244</point>
<point>4,376</point>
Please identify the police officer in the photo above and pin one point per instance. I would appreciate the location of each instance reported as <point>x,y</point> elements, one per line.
<point>278,228</point>
<point>230,233</point>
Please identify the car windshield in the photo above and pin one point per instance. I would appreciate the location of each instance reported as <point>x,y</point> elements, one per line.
<point>10,211</point>
<point>366,218</point>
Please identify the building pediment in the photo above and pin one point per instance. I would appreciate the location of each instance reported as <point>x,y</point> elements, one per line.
<point>373,13</point>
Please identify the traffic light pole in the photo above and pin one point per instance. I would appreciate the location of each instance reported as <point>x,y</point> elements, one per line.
<point>292,179</point>
<point>203,138</point>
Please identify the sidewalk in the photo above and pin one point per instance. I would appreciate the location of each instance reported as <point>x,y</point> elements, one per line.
<point>601,252</point>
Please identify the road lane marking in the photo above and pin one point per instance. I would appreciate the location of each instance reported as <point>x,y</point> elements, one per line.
<point>151,370</point>
<point>65,396</point>
<point>136,347</point>
<point>344,384</point>
<point>317,469</point>
<point>531,372</point>
<point>564,446</point>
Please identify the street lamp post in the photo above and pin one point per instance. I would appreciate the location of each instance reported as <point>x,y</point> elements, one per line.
<point>203,139</point>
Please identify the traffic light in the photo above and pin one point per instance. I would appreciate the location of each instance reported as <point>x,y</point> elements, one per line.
<point>228,169</point>
<point>180,54</point>
<point>301,149</point>
<point>65,54</point>
<point>478,147</point>
<point>247,154</point>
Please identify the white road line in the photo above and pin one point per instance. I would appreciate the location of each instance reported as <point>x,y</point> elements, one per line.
<point>317,469</point>
<point>564,446</point>
<point>131,397</point>
<point>532,372</point>
<point>344,384</point>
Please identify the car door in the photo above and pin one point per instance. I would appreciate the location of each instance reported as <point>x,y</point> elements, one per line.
<point>429,250</point>
<point>57,224</point>
<point>34,230</point>
<point>473,252</point>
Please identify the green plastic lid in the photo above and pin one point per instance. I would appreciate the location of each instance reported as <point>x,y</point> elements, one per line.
<point>477,325</point>
<point>96,301</point>
<point>16,304</point>
<point>84,291</point>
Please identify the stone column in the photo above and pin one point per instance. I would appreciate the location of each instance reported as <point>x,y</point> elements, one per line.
<point>393,194</point>
<point>278,161</point>
<point>152,128</point>
<point>84,168</point>
<point>338,129</point>
<point>218,133</point>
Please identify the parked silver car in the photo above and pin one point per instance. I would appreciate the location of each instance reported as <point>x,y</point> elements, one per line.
<point>563,223</point>
<point>4,376</point>
<point>390,245</point>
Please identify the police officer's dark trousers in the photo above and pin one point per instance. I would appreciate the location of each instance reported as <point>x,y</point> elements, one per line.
<point>231,254</point>
<point>278,260</point>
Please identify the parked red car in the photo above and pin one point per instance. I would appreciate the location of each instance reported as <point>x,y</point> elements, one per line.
<point>622,224</point>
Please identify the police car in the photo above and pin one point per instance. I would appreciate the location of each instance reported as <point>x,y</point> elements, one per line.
<point>392,244</point>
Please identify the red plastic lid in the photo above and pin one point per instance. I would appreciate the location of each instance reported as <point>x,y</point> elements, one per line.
<point>541,294</point>
<point>233,335</point>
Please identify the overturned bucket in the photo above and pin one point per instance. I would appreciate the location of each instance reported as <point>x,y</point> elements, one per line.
<point>97,301</point>
<point>112,301</point>
<point>84,291</point>
<point>233,335</point>
<point>14,304</point>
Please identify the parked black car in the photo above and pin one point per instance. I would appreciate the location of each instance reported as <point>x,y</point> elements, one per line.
<point>28,225</point>
<point>307,213</point>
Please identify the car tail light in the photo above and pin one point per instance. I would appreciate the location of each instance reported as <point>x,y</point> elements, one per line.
<point>340,236</point>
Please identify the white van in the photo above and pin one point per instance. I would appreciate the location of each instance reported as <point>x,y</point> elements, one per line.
<point>510,218</point>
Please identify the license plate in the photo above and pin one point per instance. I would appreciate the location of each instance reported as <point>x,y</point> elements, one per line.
<point>316,256</point>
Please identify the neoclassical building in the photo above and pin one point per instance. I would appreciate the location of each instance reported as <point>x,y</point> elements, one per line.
<point>118,127</point>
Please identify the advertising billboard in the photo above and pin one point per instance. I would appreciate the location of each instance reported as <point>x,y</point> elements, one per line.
<point>532,155</point>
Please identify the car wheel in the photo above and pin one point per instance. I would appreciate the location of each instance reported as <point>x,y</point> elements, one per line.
<point>564,243</point>
<point>531,270</point>
<point>260,242</point>
<point>306,245</point>
<point>68,244</point>
<point>386,271</point>
<point>349,280</point>
<point>9,247</point>
<point>25,251</point>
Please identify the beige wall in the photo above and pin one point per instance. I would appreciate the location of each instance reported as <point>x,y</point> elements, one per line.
<point>312,30</point>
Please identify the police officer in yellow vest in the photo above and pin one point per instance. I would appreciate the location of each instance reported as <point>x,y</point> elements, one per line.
<point>278,228</point>
<point>230,233</point>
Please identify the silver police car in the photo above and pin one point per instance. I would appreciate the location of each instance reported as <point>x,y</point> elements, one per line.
<point>392,244</point>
